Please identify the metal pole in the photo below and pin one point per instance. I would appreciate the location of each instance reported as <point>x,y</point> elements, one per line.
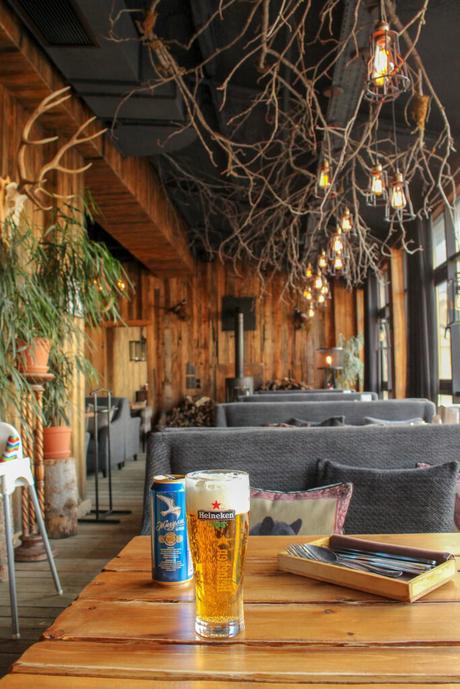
<point>239,344</point>
<point>96,454</point>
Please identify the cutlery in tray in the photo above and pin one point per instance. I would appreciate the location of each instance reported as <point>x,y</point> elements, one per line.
<point>393,571</point>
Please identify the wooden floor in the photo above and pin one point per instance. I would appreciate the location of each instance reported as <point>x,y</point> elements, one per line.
<point>78,560</point>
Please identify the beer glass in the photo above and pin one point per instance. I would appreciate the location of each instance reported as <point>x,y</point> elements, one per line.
<point>218,526</point>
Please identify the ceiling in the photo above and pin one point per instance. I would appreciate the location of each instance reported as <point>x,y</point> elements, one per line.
<point>75,35</point>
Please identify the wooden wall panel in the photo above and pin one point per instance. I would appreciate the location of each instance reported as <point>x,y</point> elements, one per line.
<point>399,322</point>
<point>344,311</point>
<point>274,349</point>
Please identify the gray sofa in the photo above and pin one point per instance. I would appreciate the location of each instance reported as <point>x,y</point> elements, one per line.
<point>310,397</point>
<point>285,458</point>
<point>124,436</point>
<point>263,413</point>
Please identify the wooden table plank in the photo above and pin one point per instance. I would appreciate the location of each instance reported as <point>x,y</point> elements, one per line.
<point>305,624</point>
<point>135,557</point>
<point>242,663</point>
<point>56,682</point>
<point>283,588</point>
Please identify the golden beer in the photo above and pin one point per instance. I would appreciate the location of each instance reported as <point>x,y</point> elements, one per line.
<point>218,527</point>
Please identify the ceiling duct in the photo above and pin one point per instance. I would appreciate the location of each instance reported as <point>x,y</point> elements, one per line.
<point>58,23</point>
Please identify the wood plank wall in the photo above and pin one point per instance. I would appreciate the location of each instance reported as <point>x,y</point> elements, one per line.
<point>274,349</point>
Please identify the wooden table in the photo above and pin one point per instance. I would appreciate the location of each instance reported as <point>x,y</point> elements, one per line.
<point>124,632</point>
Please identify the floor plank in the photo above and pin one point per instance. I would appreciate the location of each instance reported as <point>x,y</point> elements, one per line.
<point>79,559</point>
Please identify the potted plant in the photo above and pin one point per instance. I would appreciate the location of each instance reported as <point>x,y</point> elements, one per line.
<point>353,368</point>
<point>57,434</point>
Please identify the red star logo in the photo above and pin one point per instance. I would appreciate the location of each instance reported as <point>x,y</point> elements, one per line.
<point>216,505</point>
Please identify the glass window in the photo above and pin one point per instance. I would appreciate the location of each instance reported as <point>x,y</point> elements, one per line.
<point>457,223</point>
<point>447,400</point>
<point>444,356</point>
<point>439,241</point>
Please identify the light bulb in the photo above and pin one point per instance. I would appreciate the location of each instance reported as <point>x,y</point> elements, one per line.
<point>318,281</point>
<point>346,221</point>
<point>382,63</point>
<point>377,182</point>
<point>309,271</point>
<point>328,360</point>
<point>325,290</point>
<point>308,295</point>
<point>338,263</point>
<point>311,312</point>
<point>322,260</point>
<point>337,242</point>
<point>321,298</point>
<point>324,180</point>
<point>398,199</point>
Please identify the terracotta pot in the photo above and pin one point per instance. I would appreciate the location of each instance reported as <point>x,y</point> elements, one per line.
<point>56,442</point>
<point>34,358</point>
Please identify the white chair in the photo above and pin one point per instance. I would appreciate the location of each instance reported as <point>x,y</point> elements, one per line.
<point>13,474</point>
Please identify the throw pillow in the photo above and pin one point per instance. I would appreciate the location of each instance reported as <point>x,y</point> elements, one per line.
<point>396,500</point>
<point>371,421</point>
<point>424,465</point>
<point>316,511</point>
<point>301,423</point>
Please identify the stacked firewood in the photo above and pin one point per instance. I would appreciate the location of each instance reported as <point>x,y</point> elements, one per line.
<point>191,412</point>
<point>284,384</point>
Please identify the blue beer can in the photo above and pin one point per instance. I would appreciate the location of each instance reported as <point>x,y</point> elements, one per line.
<point>171,557</point>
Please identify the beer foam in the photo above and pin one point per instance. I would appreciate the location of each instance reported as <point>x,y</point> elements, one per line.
<point>215,491</point>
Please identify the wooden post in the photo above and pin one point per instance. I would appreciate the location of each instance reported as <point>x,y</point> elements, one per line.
<point>61,497</point>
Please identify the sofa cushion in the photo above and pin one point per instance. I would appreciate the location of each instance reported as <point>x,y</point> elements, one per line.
<point>371,421</point>
<point>424,465</point>
<point>316,511</point>
<point>259,413</point>
<point>396,500</point>
<point>301,423</point>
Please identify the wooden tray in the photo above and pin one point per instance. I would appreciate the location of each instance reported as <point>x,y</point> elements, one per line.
<point>407,590</point>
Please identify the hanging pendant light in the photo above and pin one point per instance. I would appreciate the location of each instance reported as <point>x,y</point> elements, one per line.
<point>308,294</point>
<point>322,260</point>
<point>309,271</point>
<point>336,244</point>
<point>338,264</point>
<point>378,186</point>
<point>318,281</point>
<point>386,71</point>
<point>399,205</point>
<point>324,177</point>
<point>346,221</point>
<point>311,311</point>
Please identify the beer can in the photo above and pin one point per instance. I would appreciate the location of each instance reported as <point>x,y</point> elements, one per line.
<point>171,557</point>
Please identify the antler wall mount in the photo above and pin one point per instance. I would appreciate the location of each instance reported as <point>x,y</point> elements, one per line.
<point>13,193</point>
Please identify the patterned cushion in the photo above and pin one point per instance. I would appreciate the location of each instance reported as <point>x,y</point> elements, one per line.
<point>300,423</point>
<point>424,465</point>
<point>396,500</point>
<point>316,511</point>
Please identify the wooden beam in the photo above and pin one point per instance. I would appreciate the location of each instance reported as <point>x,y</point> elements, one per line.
<point>139,323</point>
<point>135,208</point>
<point>399,323</point>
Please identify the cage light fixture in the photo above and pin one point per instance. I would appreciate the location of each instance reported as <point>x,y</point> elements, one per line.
<point>324,176</point>
<point>378,186</point>
<point>387,74</point>
<point>346,221</point>
<point>309,271</point>
<point>399,204</point>
<point>308,294</point>
<point>318,281</point>
<point>322,260</point>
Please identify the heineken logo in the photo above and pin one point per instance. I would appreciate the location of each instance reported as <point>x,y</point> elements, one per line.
<point>216,515</point>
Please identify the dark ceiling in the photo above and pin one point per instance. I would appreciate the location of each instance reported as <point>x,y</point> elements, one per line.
<point>75,35</point>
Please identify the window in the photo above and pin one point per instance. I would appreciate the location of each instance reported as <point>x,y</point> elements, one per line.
<point>457,224</point>
<point>444,343</point>
<point>384,353</point>
<point>439,241</point>
<point>446,264</point>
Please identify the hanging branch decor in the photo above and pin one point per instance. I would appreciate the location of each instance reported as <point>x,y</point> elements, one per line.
<point>303,169</point>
